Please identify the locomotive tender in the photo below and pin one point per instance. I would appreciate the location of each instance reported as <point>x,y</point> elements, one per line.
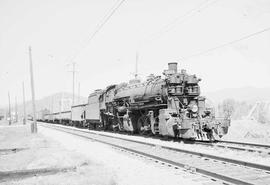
<point>170,106</point>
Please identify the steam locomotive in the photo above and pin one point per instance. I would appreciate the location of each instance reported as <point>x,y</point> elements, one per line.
<point>169,106</point>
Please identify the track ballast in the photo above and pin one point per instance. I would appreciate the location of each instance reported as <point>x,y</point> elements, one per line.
<point>227,170</point>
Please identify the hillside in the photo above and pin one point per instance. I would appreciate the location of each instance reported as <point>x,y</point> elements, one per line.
<point>52,102</point>
<point>250,94</point>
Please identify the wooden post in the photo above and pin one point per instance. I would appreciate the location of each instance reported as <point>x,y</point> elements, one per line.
<point>73,85</point>
<point>9,111</point>
<point>16,110</point>
<point>34,123</point>
<point>24,110</point>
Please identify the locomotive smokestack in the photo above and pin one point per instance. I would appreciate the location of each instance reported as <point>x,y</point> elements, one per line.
<point>173,66</point>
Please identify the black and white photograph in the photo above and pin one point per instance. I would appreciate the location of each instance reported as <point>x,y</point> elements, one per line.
<point>134,92</point>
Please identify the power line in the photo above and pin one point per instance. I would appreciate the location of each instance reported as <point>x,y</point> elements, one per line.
<point>190,13</point>
<point>104,20</point>
<point>226,44</point>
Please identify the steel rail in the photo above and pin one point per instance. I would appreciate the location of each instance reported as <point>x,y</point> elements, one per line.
<point>247,144</point>
<point>199,170</point>
<point>219,144</point>
<point>250,147</point>
<point>239,162</point>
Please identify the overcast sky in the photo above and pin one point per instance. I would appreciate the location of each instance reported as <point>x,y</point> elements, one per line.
<point>161,31</point>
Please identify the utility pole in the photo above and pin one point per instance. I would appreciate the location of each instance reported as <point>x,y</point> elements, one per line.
<point>24,111</point>
<point>9,111</point>
<point>73,79</point>
<point>52,104</point>
<point>52,108</point>
<point>136,67</point>
<point>79,93</point>
<point>73,86</point>
<point>61,107</point>
<point>34,123</point>
<point>16,110</point>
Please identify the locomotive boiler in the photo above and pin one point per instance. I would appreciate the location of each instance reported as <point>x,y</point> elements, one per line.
<point>168,106</point>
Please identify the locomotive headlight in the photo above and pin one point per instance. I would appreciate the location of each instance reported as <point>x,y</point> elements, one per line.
<point>194,108</point>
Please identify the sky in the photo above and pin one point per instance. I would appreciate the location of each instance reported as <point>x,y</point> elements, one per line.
<point>160,31</point>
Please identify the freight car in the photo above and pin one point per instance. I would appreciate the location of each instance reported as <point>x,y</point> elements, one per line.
<point>47,118</point>
<point>169,106</point>
<point>59,117</point>
<point>92,111</point>
<point>78,115</point>
<point>42,114</point>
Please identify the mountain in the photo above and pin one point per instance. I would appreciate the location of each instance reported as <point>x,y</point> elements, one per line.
<point>2,112</point>
<point>250,94</point>
<point>57,100</point>
<point>52,102</point>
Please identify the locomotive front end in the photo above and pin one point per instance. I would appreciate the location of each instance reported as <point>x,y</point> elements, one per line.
<point>186,115</point>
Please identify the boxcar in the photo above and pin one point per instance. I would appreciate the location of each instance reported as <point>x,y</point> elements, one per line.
<point>78,115</point>
<point>62,117</point>
<point>92,113</point>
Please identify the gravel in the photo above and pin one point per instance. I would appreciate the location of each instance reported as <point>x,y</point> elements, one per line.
<point>128,169</point>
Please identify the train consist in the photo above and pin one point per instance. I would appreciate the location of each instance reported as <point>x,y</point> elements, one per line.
<point>169,106</point>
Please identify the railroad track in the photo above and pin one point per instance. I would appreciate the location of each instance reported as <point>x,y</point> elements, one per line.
<point>249,147</point>
<point>238,146</point>
<point>224,169</point>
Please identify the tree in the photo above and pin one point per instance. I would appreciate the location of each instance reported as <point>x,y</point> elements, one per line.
<point>227,107</point>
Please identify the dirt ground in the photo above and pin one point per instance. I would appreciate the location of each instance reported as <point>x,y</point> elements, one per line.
<point>87,162</point>
<point>91,162</point>
<point>36,152</point>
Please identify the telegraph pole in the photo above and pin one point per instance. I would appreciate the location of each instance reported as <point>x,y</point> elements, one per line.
<point>73,79</point>
<point>24,111</point>
<point>52,107</point>
<point>79,93</point>
<point>34,123</point>
<point>61,105</point>
<point>136,66</point>
<point>52,104</point>
<point>9,111</point>
<point>16,110</point>
<point>73,86</point>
